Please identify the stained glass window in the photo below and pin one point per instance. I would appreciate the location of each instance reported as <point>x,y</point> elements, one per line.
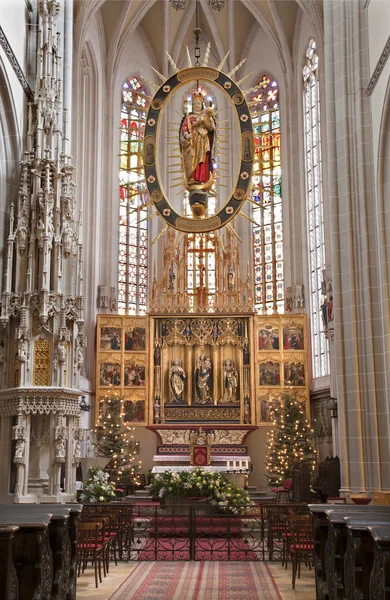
<point>133,229</point>
<point>267,193</point>
<point>314,204</point>
<point>201,246</point>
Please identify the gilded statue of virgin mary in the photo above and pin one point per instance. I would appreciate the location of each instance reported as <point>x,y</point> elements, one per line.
<point>197,131</point>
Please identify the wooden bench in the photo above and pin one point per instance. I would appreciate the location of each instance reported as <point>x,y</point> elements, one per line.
<point>32,556</point>
<point>336,547</point>
<point>9,588</point>
<point>380,575</point>
<point>321,528</point>
<point>359,558</point>
<point>51,547</point>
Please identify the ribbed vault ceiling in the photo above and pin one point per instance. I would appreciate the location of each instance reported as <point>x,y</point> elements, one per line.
<point>166,30</point>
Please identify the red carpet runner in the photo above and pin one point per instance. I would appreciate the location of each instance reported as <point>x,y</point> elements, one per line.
<point>198,581</point>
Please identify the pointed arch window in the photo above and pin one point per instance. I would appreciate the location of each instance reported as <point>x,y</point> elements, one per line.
<point>267,193</point>
<point>133,230</point>
<point>314,206</point>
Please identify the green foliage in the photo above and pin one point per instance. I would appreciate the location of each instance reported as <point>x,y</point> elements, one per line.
<point>227,496</point>
<point>290,442</point>
<point>116,441</point>
<point>97,488</point>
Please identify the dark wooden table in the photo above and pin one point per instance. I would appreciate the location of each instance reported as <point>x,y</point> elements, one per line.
<point>9,587</point>
<point>320,531</point>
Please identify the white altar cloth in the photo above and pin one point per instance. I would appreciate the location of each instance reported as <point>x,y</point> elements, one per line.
<point>186,457</point>
<point>181,468</point>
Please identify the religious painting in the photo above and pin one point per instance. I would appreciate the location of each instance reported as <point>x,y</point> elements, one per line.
<point>269,409</point>
<point>269,373</point>
<point>268,338</point>
<point>110,338</point>
<point>135,338</point>
<point>134,374</point>
<point>293,337</point>
<point>134,411</point>
<point>109,374</point>
<point>294,374</point>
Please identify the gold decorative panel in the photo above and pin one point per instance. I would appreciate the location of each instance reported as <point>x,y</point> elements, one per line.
<point>281,362</point>
<point>122,364</point>
<point>41,370</point>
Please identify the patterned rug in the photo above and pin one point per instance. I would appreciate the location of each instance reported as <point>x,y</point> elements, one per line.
<point>198,581</point>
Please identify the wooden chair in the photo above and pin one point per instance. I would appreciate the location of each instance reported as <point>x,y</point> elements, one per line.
<point>282,494</point>
<point>291,521</point>
<point>301,548</point>
<point>90,547</point>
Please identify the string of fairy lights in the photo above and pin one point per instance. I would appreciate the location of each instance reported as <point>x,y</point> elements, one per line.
<point>115,440</point>
<point>289,442</point>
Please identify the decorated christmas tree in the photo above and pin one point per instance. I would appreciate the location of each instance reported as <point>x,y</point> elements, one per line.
<point>290,442</point>
<point>115,440</point>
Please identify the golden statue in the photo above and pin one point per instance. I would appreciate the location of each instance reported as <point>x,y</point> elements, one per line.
<point>197,131</point>
<point>230,381</point>
<point>176,381</point>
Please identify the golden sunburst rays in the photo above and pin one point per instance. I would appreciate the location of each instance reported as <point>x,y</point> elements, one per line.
<point>150,82</point>
<point>222,63</point>
<point>189,61</point>
<point>161,233</point>
<point>158,73</point>
<point>234,232</point>
<point>207,55</point>
<point>242,214</point>
<point>172,63</point>
<point>243,61</point>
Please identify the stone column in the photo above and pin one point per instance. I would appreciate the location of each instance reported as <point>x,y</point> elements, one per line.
<point>361,372</point>
<point>60,436</point>
<point>19,434</point>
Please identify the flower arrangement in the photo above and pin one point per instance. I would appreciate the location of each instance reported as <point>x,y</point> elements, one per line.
<point>226,496</point>
<point>97,488</point>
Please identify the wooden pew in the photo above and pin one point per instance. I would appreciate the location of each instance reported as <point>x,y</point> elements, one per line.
<point>9,587</point>
<point>62,538</point>
<point>336,546</point>
<point>359,558</point>
<point>320,531</point>
<point>73,526</point>
<point>32,555</point>
<point>380,575</point>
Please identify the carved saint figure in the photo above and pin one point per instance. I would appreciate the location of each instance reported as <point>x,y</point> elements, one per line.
<point>156,406</point>
<point>230,381</point>
<point>230,279</point>
<point>171,278</point>
<point>203,380</point>
<point>176,381</point>
<point>196,145</point>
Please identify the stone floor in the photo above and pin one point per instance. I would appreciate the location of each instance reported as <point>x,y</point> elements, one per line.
<point>304,589</point>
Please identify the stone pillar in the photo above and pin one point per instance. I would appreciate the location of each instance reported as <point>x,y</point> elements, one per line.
<point>60,436</point>
<point>19,434</point>
<point>361,371</point>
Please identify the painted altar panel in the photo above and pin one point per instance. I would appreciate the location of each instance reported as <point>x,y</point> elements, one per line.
<point>202,369</point>
<point>281,363</point>
<point>122,364</point>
